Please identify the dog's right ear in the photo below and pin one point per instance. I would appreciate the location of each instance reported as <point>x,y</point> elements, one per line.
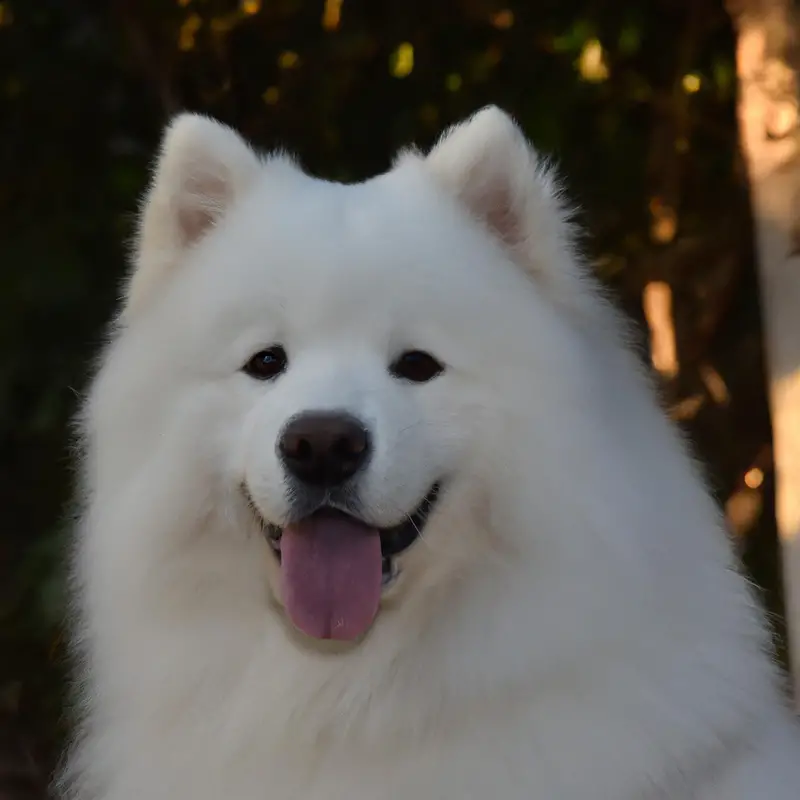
<point>203,168</point>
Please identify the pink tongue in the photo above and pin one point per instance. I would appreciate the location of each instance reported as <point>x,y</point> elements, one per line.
<point>332,572</point>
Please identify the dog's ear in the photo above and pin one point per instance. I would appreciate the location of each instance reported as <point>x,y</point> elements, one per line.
<point>490,168</point>
<point>204,167</point>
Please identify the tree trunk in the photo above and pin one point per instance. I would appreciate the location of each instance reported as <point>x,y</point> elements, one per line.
<point>767,67</point>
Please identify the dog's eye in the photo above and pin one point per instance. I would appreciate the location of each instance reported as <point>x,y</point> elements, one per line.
<point>267,364</point>
<point>416,366</point>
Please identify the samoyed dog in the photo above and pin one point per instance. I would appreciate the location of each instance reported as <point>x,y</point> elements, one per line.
<point>380,506</point>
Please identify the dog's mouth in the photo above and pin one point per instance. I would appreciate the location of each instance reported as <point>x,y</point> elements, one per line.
<point>335,566</point>
<point>394,540</point>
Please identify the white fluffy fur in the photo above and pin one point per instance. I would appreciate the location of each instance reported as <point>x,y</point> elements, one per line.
<point>572,626</point>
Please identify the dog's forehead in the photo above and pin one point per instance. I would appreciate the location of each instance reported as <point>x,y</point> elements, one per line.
<point>353,231</point>
<point>385,262</point>
<point>344,248</point>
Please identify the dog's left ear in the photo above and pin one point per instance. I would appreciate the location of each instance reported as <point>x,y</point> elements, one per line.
<point>490,168</point>
<point>204,168</point>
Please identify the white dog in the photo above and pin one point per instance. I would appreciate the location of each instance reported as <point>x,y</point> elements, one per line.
<point>379,506</point>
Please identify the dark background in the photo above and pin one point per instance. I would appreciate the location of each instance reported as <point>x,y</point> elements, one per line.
<point>650,154</point>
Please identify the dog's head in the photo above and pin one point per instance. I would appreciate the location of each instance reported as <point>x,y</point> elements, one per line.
<point>343,372</point>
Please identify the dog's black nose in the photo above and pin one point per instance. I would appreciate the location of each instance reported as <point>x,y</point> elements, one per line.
<point>324,448</point>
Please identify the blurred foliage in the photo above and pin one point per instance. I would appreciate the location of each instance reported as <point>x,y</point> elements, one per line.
<point>635,101</point>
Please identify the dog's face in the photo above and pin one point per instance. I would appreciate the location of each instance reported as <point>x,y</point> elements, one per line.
<point>358,409</point>
<point>344,353</point>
